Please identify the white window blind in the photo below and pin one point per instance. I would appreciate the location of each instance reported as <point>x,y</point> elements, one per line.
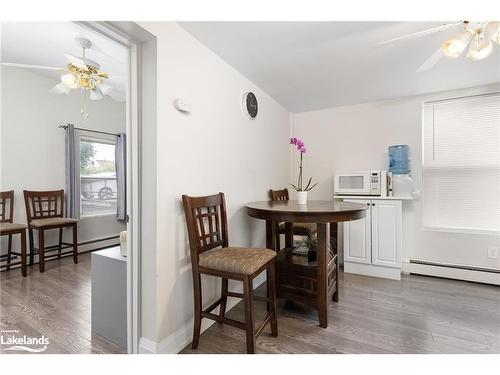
<point>462,164</point>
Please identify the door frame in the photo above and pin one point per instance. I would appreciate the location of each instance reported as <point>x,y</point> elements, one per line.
<point>131,39</point>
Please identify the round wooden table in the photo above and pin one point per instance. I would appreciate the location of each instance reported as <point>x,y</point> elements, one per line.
<point>311,283</point>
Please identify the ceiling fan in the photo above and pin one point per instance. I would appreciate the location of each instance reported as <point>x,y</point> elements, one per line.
<point>80,73</point>
<point>479,36</point>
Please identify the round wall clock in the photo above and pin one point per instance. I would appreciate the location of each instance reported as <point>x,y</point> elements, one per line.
<point>250,104</point>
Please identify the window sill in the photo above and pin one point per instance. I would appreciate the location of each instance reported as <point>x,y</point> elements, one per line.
<point>100,214</point>
<point>484,232</point>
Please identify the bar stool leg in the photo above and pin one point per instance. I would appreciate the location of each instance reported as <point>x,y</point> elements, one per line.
<point>271,294</point>
<point>75,244</point>
<point>222,311</point>
<point>23,253</point>
<point>60,243</point>
<point>9,251</point>
<point>32,247</point>
<point>197,310</point>
<point>41,251</point>
<point>249,319</point>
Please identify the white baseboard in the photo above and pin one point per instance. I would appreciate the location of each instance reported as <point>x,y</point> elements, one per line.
<point>179,339</point>
<point>452,273</point>
<point>371,270</point>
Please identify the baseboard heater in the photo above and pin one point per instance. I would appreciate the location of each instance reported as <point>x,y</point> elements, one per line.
<point>456,266</point>
<point>65,247</point>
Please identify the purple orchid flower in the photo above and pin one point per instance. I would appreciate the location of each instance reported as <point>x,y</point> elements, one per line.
<point>301,148</point>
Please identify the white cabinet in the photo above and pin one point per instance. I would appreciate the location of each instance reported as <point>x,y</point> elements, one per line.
<point>357,237</point>
<point>373,245</point>
<point>386,233</point>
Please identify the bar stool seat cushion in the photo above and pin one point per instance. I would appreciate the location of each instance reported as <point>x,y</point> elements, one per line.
<point>240,260</point>
<point>48,222</point>
<point>300,229</point>
<point>11,227</point>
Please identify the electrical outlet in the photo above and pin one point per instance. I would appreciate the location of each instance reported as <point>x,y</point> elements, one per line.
<point>493,252</point>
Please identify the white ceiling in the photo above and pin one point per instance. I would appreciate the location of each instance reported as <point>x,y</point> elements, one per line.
<point>314,65</point>
<point>45,43</point>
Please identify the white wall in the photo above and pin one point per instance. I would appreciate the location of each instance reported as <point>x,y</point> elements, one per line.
<point>214,148</point>
<point>32,145</point>
<point>356,138</point>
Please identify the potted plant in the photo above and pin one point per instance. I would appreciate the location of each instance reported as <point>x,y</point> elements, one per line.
<point>299,188</point>
<point>311,242</point>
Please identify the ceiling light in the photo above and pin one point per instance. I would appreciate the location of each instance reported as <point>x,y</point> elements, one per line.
<point>455,46</point>
<point>95,94</point>
<point>480,48</point>
<point>69,80</point>
<point>493,31</point>
<point>105,88</point>
<point>60,88</point>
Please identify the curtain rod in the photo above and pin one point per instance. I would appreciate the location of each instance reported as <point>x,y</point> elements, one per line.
<point>89,130</point>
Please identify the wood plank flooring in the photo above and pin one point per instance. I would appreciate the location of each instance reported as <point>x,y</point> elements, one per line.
<point>55,304</point>
<point>415,315</point>
<point>418,314</point>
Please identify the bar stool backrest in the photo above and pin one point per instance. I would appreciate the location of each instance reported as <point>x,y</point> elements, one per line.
<point>44,204</point>
<point>6,206</point>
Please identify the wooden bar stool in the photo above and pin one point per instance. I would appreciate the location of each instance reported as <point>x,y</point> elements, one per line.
<point>302,229</point>
<point>210,254</point>
<point>45,210</point>
<point>8,228</point>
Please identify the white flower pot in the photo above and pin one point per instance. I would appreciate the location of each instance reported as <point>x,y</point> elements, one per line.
<point>302,197</point>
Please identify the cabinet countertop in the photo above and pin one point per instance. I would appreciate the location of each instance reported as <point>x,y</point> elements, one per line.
<point>372,197</point>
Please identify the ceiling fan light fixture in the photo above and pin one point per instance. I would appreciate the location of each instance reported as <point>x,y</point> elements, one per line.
<point>69,80</point>
<point>480,49</point>
<point>60,88</point>
<point>105,88</point>
<point>95,94</point>
<point>454,47</point>
<point>493,31</point>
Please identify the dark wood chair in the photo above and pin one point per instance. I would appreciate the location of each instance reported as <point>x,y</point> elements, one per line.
<point>302,229</point>
<point>210,254</point>
<point>45,211</point>
<point>9,228</point>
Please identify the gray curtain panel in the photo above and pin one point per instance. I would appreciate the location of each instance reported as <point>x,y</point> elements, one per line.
<point>72,175</point>
<point>121,176</point>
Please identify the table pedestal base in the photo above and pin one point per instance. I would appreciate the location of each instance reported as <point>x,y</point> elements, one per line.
<point>310,283</point>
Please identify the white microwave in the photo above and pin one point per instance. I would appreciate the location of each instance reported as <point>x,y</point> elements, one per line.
<point>361,183</point>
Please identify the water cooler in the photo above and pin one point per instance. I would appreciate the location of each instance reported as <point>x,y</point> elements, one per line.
<point>400,168</point>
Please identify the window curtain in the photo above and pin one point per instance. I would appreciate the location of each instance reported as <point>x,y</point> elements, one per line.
<point>121,176</point>
<point>72,175</point>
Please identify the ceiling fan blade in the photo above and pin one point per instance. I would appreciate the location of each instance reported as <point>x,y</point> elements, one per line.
<point>77,62</point>
<point>32,66</point>
<point>431,61</point>
<point>419,34</point>
<point>60,88</point>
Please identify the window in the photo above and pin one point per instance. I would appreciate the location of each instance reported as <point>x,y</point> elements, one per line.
<point>461,164</point>
<point>97,177</point>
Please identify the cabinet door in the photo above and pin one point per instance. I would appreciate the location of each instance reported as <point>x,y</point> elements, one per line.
<point>357,237</point>
<point>386,218</point>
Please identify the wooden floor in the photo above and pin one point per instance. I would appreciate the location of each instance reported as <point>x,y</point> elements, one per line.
<point>55,304</point>
<point>415,315</point>
<point>418,314</point>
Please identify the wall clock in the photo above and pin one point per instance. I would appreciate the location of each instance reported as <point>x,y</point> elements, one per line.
<point>250,104</point>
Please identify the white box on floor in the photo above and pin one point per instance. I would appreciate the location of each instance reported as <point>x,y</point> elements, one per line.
<point>109,295</point>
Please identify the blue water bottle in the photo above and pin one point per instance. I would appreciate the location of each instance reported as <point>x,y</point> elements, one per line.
<point>399,159</point>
